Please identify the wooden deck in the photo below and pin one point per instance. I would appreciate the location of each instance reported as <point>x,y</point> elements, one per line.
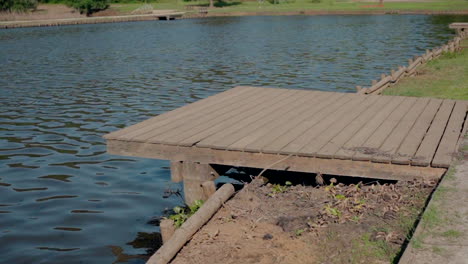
<point>459,25</point>
<point>461,28</point>
<point>388,137</point>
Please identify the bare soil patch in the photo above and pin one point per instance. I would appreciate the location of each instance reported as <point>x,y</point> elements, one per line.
<point>333,223</point>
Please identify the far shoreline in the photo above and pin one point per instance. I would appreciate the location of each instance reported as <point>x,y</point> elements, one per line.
<point>189,15</point>
<point>337,12</point>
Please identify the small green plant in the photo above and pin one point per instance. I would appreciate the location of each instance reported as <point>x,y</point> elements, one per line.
<point>330,187</point>
<point>278,188</point>
<point>340,197</point>
<point>355,218</point>
<point>181,214</point>
<point>333,211</point>
<point>359,203</point>
<point>299,232</point>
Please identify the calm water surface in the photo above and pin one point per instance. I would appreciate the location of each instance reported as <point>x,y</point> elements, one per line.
<point>63,199</point>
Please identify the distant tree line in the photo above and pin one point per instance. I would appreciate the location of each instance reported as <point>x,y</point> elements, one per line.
<point>83,6</point>
<point>17,5</point>
<point>88,6</point>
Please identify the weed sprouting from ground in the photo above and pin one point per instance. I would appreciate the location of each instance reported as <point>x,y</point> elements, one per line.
<point>181,214</point>
<point>278,188</point>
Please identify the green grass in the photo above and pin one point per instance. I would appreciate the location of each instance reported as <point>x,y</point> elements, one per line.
<point>365,247</point>
<point>445,77</point>
<point>465,148</point>
<point>452,233</point>
<point>236,6</point>
<point>435,217</point>
<point>438,250</point>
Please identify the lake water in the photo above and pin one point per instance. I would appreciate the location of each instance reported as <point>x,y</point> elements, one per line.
<point>63,199</point>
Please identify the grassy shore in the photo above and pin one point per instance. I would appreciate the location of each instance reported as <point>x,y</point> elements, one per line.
<point>443,223</point>
<point>235,6</point>
<point>252,7</point>
<point>445,77</point>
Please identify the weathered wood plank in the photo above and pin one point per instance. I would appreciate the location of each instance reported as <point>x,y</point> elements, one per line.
<point>274,134</point>
<point>447,147</point>
<point>426,150</point>
<point>199,117</point>
<point>298,143</point>
<point>393,141</point>
<point>349,148</point>
<point>263,160</point>
<point>373,143</point>
<point>328,150</point>
<point>463,133</point>
<point>458,25</point>
<point>310,100</point>
<point>283,140</point>
<point>337,124</point>
<point>327,130</point>
<point>414,138</point>
<point>214,127</point>
<point>265,125</point>
<point>243,108</point>
<point>195,106</point>
<point>188,113</point>
<point>221,139</point>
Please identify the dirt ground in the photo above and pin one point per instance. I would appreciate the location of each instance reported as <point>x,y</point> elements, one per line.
<point>331,223</point>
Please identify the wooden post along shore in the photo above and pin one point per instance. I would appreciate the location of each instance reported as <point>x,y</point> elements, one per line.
<point>377,87</point>
<point>381,137</point>
<point>461,28</point>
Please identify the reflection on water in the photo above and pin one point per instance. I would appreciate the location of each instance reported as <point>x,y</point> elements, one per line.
<point>63,199</point>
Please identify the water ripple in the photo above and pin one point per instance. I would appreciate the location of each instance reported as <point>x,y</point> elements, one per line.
<point>62,88</point>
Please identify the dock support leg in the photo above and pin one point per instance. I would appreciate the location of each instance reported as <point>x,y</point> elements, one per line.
<point>195,176</point>
<point>176,171</point>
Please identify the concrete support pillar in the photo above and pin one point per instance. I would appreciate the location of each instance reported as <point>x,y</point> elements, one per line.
<point>194,176</point>
<point>176,171</point>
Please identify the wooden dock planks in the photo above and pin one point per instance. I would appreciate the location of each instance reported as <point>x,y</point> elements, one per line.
<point>372,145</point>
<point>330,130</point>
<point>294,133</point>
<point>429,144</point>
<point>159,134</point>
<point>412,141</point>
<point>130,132</point>
<point>447,146</point>
<point>393,141</point>
<point>244,108</point>
<point>275,124</point>
<point>349,148</point>
<point>344,135</point>
<point>231,133</point>
<point>314,106</point>
<point>336,125</point>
